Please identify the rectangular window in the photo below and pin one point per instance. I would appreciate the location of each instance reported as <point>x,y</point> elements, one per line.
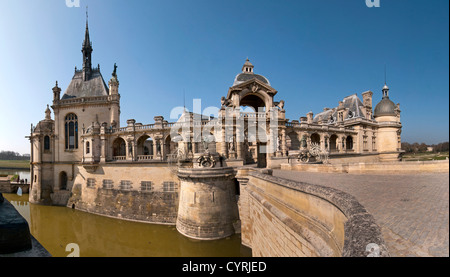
<point>125,185</point>
<point>46,143</point>
<point>146,186</point>
<point>108,184</point>
<point>90,183</point>
<point>169,186</point>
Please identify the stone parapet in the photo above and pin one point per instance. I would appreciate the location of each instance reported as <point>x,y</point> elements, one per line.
<point>413,167</point>
<point>288,218</point>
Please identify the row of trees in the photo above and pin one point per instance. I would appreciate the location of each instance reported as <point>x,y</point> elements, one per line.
<point>422,147</point>
<point>13,156</point>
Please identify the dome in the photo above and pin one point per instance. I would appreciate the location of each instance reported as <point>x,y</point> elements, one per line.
<point>385,108</point>
<point>243,77</point>
<point>247,74</point>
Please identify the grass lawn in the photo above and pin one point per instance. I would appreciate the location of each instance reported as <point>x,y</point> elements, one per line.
<point>15,164</point>
<point>425,156</point>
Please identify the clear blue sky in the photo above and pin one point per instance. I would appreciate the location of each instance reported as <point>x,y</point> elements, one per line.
<point>314,52</point>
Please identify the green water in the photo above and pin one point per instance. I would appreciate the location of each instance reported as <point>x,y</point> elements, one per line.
<point>98,236</point>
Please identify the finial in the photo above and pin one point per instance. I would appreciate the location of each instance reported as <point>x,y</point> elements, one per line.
<point>56,85</point>
<point>48,113</point>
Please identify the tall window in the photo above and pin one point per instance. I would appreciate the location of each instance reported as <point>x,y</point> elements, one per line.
<point>88,147</point>
<point>47,143</point>
<point>71,131</point>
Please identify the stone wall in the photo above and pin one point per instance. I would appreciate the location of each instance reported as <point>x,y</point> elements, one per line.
<point>5,185</point>
<point>116,190</point>
<point>373,168</point>
<point>286,218</point>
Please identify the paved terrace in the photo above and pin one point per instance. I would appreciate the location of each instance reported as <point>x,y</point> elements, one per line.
<point>411,210</point>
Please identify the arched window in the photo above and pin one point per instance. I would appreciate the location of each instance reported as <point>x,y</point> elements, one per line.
<point>88,147</point>
<point>119,147</point>
<point>46,143</point>
<point>294,142</point>
<point>63,180</point>
<point>315,138</point>
<point>349,143</point>
<point>71,131</point>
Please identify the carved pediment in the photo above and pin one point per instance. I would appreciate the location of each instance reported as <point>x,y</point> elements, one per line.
<point>252,85</point>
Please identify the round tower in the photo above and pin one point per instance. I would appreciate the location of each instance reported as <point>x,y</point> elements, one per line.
<point>387,114</point>
<point>207,209</point>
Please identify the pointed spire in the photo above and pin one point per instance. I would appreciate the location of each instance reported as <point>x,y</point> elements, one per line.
<point>87,51</point>
<point>87,42</point>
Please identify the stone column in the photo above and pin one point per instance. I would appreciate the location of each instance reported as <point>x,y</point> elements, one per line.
<point>283,142</point>
<point>158,148</point>
<point>223,144</point>
<point>322,141</point>
<point>239,141</point>
<point>129,150</point>
<point>155,150</point>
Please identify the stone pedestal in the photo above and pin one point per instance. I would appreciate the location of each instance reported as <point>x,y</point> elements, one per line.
<point>207,206</point>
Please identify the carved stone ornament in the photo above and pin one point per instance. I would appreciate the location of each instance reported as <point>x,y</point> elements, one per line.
<point>255,88</point>
<point>206,161</point>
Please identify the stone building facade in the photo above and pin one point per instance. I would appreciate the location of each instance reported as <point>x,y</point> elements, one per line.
<point>85,137</point>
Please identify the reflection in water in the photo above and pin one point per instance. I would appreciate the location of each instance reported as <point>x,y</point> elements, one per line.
<point>98,236</point>
<point>23,174</point>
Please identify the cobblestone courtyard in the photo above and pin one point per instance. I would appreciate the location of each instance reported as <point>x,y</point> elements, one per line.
<point>412,210</point>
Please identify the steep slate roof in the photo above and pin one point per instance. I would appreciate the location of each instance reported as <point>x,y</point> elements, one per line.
<point>352,102</point>
<point>94,86</point>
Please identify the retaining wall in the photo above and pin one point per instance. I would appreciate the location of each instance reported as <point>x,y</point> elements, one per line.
<point>284,218</point>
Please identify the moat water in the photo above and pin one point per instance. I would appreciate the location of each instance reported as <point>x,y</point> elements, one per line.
<point>98,236</point>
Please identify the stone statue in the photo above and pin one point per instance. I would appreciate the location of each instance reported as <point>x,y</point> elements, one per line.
<point>114,74</point>
<point>231,145</point>
<point>280,105</point>
<point>279,144</point>
<point>225,102</point>
<point>303,142</point>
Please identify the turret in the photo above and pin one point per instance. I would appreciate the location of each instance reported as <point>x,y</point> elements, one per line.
<point>387,115</point>
<point>115,97</point>
<point>56,93</point>
<point>114,83</point>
